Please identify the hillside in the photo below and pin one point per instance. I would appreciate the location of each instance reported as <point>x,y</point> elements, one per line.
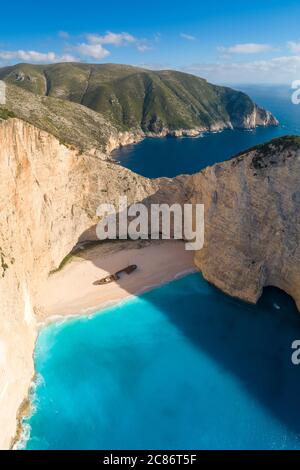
<point>132,98</point>
<point>50,195</point>
<point>69,122</point>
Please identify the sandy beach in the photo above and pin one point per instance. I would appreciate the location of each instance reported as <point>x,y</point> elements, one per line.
<point>71,291</point>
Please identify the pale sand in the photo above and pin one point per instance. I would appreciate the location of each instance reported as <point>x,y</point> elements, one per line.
<point>71,291</point>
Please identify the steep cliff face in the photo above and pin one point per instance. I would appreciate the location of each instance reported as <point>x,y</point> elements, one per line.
<point>252,221</point>
<point>256,117</point>
<point>48,195</point>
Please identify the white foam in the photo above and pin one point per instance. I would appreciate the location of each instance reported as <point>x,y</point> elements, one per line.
<point>26,428</point>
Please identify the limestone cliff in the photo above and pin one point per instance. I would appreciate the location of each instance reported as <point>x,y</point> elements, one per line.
<point>48,195</point>
<point>252,221</point>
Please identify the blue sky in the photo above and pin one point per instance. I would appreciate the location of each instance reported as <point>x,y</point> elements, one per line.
<point>224,41</point>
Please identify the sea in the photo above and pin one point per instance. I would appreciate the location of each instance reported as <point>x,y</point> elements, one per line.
<point>183,366</point>
<point>171,156</point>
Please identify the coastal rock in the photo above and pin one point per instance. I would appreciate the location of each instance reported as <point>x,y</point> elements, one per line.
<point>48,194</point>
<point>258,117</point>
<point>252,221</point>
<point>120,139</point>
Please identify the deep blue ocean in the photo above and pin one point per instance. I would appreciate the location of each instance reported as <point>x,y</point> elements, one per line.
<point>170,156</point>
<point>183,366</point>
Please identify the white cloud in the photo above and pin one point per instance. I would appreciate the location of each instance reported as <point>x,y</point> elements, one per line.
<point>96,51</point>
<point>67,58</point>
<point>143,47</point>
<point>116,39</point>
<point>282,69</point>
<point>294,47</point>
<point>35,56</point>
<point>247,48</point>
<point>63,34</point>
<point>188,37</point>
<point>157,37</point>
<point>92,48</point>
<point>156,66</point>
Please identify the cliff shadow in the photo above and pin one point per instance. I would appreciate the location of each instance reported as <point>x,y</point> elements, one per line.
<point>251,343</point>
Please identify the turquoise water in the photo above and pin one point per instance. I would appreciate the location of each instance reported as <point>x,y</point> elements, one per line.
<point>173,156</point>
<point>182,366</point>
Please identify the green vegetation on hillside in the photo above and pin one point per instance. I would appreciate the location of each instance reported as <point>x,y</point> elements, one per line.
<point>6,113</point>
<point>132,97</point>
<point>266,154</point>
<point>71,123</point>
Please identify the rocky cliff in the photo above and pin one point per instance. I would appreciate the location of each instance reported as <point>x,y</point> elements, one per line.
<point>252,221</point>
<point>49,194</point>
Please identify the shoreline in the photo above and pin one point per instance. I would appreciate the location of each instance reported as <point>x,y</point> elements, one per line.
<point>135,136</point>
<point>176,262</point>
<point>47,314</point>
<point>70,292</point>
<point>23,412</point>
<point>97,309</point>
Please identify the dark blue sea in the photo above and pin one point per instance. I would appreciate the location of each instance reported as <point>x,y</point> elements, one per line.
<point>183,366</point>
<point>170,156</point>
